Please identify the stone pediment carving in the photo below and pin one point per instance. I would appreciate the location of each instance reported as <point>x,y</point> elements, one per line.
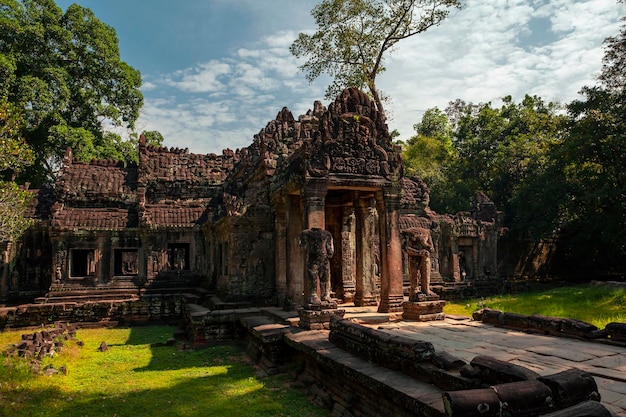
<point>352,139</point>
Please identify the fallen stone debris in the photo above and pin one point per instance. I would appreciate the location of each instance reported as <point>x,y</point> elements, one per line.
<point>47,342</point>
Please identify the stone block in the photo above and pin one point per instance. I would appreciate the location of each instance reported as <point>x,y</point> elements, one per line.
<point>571,387</point>
<point>482,402</point>
<point>423,310</point>
<point>494,371</point>
<point>577,327</point>
<point>616,331</point>
<point>585,409</point>
<point>317,319</point>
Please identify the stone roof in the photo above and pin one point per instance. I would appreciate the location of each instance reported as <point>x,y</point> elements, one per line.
<point>176,164</point>
<point>97,182</point>
<point>174,215</point>
<point>95,218</point>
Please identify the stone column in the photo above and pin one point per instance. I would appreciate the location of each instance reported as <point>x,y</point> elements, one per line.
<point>295,255</point>
<point>314,204</point>
<point>476,271</point>
<point>348,248</point>
<point>365,234</point>
<point>281,249</point>
<point>388,205</point>
<point>4,271</point>
<point>435,273</point>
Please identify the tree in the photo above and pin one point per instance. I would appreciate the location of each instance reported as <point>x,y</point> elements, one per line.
<point>153,137</point>
<point>430,154</point>
<point>354,36</point>
<point>592,160</point>
<point>13,204</point>
<point>613,75</point>
<point>64,70</point>
<point>15,155</point>
<point>500,148</point>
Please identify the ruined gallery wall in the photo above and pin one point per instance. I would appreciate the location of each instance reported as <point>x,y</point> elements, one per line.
<point>30,267</point>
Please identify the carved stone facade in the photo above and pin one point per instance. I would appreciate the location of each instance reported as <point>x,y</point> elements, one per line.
<point>232,222</point>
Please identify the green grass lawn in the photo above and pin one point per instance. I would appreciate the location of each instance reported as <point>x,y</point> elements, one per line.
<point>134,379</point>
<point>592,304</point>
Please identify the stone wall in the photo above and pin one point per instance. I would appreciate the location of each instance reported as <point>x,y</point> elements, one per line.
<point>163,308</point>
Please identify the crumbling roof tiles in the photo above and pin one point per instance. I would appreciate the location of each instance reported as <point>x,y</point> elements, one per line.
<point>175,215</point>
<point>97,180</point>
<point>179,165</point>
<point>95,218</point>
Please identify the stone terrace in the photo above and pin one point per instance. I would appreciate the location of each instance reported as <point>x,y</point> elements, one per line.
<point>464,339</point>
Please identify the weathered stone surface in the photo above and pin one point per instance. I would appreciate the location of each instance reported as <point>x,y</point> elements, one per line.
<point>472,403</point>
<point>585,409</point>
<point>423,310</point>
<point>524,398</point>
<point>571,387</point>
<point>616,331</point>
<point>393,352</point>
<point>494,371</point>
<point>318,319</point>
<point>447,361</point>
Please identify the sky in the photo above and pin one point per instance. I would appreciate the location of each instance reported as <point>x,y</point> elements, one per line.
<point>215,72</point>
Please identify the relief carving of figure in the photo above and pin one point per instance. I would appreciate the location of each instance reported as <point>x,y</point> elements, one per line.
<point>418,244</point>
<point>319,249</point>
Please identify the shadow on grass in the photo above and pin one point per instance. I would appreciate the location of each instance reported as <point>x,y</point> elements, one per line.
<point>216,395</point>
<point>215,381</point>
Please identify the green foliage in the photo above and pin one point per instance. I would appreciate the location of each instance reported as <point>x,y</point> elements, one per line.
<point>476,147</point>
<point>500,148</point>
<point>592,304</point>
<point>592,161</point>
<point>13,204</point>
<point>15,154</point>
<point>153,137</point>
<point>64,70</point>
<point>613,74</point>
<point>132,378</point>
<point>430,155</point>
<point>354,36</point>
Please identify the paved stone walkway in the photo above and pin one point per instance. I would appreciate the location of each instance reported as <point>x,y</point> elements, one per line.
<point>545,355</point>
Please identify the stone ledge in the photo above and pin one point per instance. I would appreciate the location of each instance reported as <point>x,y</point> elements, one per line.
<point>554,326</point>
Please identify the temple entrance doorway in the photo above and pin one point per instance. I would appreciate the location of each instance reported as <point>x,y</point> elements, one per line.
<point>352,219</point>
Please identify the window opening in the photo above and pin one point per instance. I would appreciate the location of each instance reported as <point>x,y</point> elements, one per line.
<point>178,256</point>
<point>126,262</point>
<point>82,263</point>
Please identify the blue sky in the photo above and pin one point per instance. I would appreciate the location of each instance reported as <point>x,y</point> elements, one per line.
<point>216,71</point>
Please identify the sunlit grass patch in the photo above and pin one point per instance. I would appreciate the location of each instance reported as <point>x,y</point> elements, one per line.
<point>133,378</point>
<point>592,304</point>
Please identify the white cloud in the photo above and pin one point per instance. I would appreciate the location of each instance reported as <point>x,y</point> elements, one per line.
<point>486,51</point>
<point>480,55</point>
<point>203,78</point>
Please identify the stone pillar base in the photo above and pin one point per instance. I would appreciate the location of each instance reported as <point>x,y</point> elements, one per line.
<point>318,319</point>
<point>423,310</point>
<point>365,301</point>
<point>391,304</point>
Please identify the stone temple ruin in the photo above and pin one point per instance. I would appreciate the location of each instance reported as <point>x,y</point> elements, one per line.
<point>231,223</point>
<point>315,213</point>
